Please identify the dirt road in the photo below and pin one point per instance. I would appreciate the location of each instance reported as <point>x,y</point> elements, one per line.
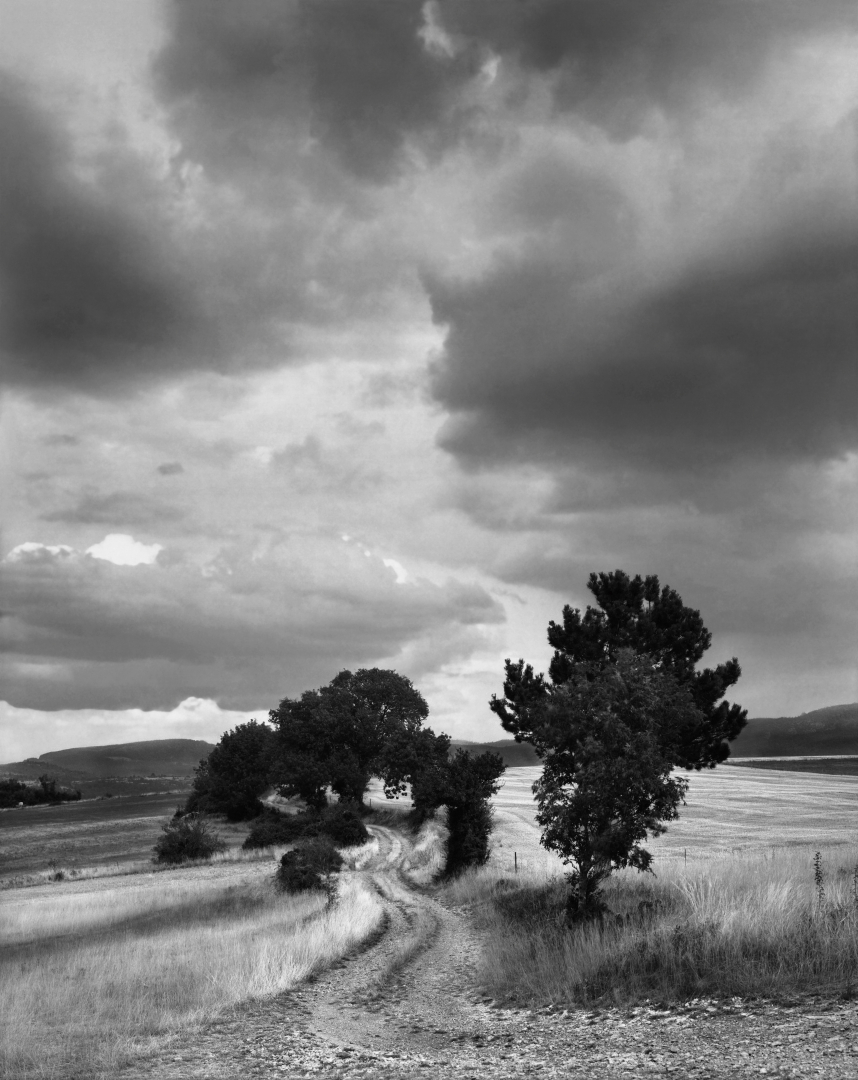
<point>408,1005</point>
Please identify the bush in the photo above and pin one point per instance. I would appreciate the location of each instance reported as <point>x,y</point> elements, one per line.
<point>470,826</point>
<point>187,838</point>
<point>309,866</point>
<point>273,828</point>
<point>339,822</point>
<point>343,825</point>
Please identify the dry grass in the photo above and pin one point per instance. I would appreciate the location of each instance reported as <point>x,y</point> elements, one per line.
<point>59,872</point>
<point>733,908</point>
<point>138,963</point>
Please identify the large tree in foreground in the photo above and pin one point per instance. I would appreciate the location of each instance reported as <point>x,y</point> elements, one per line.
<point>623,706</point>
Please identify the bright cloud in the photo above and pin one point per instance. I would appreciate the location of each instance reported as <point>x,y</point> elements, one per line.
<point>124,550</point>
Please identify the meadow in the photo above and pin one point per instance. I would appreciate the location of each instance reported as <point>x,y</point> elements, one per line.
<point>93,972</point>
<point>737,904</point>
<point>98,967</point>
<point>118,832</point>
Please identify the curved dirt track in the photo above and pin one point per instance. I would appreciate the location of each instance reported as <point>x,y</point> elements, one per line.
<point>407,1005</point>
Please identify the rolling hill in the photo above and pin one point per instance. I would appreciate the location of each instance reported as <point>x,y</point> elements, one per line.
<point>163,757</point>
<point>831,731</point>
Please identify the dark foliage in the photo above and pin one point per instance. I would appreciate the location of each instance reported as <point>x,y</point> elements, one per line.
<point>651,621</point>
<point>13,792</point>
<point>343,734</point>
<point>624,706</point>
<point>464,784</point>
<point>472,782</point>
<point>308,866</point>
<point>231,779</point>
<point>187,838</point>
<point>341,824</point>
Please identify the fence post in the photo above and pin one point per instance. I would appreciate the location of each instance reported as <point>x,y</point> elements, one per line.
<point>515,860</point>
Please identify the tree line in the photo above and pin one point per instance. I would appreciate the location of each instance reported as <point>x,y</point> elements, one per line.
<point>363,725</point>
<point>622,708</point>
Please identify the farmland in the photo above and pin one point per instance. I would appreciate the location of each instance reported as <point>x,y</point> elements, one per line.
<point>93,832</point>
<point>216,935</point>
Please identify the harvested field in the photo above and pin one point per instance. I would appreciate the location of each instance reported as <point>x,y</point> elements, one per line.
<point>98,832</point>
<point>727,811</point>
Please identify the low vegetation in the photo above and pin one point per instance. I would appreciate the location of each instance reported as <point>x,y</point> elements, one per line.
<point>47,792</point>
<point>187,838</point>
<point>309,866</point>
<point>87,980</point>
<point>772,925</point>
<point>339,822</point>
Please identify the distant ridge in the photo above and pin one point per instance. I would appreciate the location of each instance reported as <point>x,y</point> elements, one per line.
<point>824,732</point>
<point>514,754</point>
<point>163,757</point>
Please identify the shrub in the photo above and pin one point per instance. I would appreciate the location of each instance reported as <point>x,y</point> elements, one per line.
<point>339,822</point>
<point>343,825</point>
<point>273,828</point>
<point>309,866</point>
<point>187,838</point>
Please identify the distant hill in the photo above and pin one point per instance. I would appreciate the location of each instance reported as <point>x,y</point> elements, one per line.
<point>830,731</point>
<point>163,757</point>
<point>512,752</point>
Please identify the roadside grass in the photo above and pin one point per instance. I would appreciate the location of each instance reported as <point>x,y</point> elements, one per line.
<point>758,924</point>
<point>88,980</point>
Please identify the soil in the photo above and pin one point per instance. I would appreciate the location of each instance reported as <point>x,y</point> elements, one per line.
<point>408,1005</point>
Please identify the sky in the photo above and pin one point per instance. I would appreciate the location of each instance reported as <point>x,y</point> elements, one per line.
<point>354,333</point>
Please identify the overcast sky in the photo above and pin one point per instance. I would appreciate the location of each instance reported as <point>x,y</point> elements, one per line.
<point>348,333</point>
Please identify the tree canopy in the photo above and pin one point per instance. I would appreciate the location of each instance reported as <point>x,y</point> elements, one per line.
<point>234,775</point>
<point>637,614</point>
<point>358,726</point>
<point>622,707</point>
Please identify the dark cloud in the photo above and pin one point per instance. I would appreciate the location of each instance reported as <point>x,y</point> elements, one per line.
<point>88,293</point>
<point>357,76</point>
<point>613,62</point>
<point>80,632</point>
<point>116,508</point>
<point>740,355</point>
<point>171,468</point>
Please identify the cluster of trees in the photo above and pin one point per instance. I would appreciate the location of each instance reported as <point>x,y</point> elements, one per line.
<point>14,792</point>
<point>622,708</point>
<point>363,725</point>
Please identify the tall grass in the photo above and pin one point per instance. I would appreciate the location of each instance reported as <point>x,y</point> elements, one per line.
<point>81,1004</point>
<point>746,925</point>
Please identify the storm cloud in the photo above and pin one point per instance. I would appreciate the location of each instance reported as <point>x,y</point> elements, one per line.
<point>82,632</point>
<point>382,324</point>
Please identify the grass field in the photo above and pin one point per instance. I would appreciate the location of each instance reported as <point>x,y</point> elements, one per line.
<point>830,766</point>
<point>732,908</point>
<point>728,811</point>
<point>116,832</point>
<point>92,971</point>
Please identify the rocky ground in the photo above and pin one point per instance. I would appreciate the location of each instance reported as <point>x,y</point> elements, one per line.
<point>407,1005</point>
